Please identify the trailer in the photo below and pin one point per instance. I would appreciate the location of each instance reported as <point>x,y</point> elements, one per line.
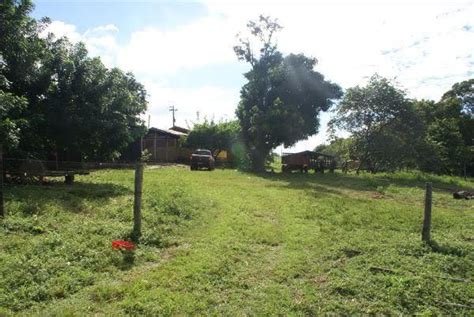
<point>306,160</point>
<point>30,169</point>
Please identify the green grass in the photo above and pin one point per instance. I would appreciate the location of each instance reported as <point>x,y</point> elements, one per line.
<point>227,243</point>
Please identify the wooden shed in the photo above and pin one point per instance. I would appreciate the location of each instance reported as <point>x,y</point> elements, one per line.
<point>163,145</point>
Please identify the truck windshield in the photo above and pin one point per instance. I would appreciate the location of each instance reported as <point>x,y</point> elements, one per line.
<point>203,152</point>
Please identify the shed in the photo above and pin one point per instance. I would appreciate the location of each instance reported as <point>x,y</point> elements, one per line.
<point>163,145</point>
<point>179,129</point>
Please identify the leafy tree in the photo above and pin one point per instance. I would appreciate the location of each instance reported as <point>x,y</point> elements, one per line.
<point>10,120</point>
<point>382,122</point>
<point>93,112</point>
<point>21,51</point>
<point>340,148</point>
<point>281,101</point>
<point>55,99</point>
<point>464,93</point>
<point>448,137</point>
<point>216,137</point>
<point>444,136</point>
<point>21,48</point>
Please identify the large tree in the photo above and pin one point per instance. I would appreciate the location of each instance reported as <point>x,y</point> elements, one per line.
<point>448,137</point>
<point>382,122</point>
<point>21,80</point>
<point>283,96</point>
<point>93,112</point>
<point>56,99</point>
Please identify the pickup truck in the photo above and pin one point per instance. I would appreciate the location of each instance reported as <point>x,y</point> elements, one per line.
<point>202,158</point>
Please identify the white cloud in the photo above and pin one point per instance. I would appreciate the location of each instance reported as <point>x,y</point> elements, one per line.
<point>60,29</point>
<point>349,38</point>
<point>211,102</point>
<point>100,41</point>
<point>160,52</point>
<point>102,29</point>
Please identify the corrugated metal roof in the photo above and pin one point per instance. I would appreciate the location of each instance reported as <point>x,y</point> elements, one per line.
<point>167,132</point>
<point>179,129</point>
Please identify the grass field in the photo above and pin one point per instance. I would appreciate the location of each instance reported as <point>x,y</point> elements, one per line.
<point>232,243</point>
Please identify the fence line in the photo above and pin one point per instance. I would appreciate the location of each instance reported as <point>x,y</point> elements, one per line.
<point>33,167</point>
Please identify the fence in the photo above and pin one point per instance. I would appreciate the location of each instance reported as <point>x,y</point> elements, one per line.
<point>14,170</point>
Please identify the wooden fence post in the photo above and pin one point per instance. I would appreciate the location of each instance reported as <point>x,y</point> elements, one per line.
<point>425,234</point>
<point>137,206</point>
<point>2,211</point>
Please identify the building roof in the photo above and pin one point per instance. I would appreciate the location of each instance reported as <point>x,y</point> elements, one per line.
<point>179,129</point>
<point>171,133</point>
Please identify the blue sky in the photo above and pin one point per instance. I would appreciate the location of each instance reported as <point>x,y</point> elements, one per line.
<point>127,16</point>
<point>182,51</point>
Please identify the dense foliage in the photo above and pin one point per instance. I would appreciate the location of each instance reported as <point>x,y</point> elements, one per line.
<point>281,102</point>
<point>448,137</point>
<point>340,148</point>
<point>382,122</point>
<point>213,136</point>
<point>55,100</point>
<point>389,131</point>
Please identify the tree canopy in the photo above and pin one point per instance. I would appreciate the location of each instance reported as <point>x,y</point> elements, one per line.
<point>213,136</point>
<point>339,148</point>
<point>382,122</point>
<point>447,144</point>
<point>56,99</point>
<point>283,96</point>
<point>390,131</point>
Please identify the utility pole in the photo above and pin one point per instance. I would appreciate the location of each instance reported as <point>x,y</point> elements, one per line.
<point>173,110</point>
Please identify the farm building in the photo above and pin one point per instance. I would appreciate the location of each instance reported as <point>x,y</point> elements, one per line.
<point>180,129</point>
<point>163,145</point>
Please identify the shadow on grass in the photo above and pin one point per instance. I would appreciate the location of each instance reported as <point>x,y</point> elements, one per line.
<point>311,187</point>
<point>362,182</point>
<point>34,199</point>
<point>125,261</point>
<point>446,249</point>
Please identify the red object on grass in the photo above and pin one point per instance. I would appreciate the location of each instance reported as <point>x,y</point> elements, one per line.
<point>120,244</point>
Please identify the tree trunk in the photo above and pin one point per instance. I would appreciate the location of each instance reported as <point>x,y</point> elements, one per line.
<point>362,161</point>
<point>258,160</point>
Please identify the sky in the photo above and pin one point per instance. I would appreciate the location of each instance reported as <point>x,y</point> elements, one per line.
<point>182,50</point>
